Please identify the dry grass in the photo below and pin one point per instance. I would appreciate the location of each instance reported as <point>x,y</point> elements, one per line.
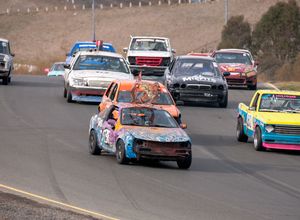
<point>41,38</point>
<point>295,86</point>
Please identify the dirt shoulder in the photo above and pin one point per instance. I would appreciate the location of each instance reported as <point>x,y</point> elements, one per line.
<point>17,207</point>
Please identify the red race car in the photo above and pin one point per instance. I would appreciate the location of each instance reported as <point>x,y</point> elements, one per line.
<point>240,64</point>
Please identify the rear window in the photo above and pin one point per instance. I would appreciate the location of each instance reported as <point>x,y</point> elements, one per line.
<point>162,99</point>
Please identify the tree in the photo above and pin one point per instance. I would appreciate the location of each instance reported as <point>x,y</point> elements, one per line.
<point>277,34</point>
<point>236,34</point>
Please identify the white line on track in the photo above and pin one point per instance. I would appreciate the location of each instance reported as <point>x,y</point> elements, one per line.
<point>59,204</point>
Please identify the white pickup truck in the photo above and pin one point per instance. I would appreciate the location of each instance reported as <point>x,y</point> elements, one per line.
<point>6,61</point>
<point>151,55</point>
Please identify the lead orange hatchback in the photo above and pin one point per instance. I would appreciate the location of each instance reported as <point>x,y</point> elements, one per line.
<point>139,92</point>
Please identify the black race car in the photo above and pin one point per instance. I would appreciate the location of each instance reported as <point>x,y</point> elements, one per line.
<point>197,79</point>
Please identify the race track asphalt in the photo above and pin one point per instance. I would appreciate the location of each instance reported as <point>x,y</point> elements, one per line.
<point>44,150</point>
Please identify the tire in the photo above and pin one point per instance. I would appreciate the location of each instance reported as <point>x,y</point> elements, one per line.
<point>121,153</point>
<point>252,87</point>
<point>5,80</point>
<point>223,103</point>
<point>93,146</point>
<point>9,79</point>
<point>69,97</point>
<point>257,143</point>
<point>65,93</point>
<point>240,134</point>
<point>185,163</point>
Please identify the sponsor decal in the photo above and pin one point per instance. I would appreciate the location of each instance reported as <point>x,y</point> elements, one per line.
<point>199,78</point>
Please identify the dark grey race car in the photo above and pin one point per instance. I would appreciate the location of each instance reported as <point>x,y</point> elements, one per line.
<point>197,79</point>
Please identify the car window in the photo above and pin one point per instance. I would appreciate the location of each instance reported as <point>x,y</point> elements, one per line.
<point>243,58</point>
<point>113,93</point>
<point>143,44</point>
<point>58,67</point>
<point>162,98</point>
<point>4,47</point>
<point>280,102</point>
<point>99,62</point>
<point>109,89</point>
<point>191,67</point>
<point>147,117</point>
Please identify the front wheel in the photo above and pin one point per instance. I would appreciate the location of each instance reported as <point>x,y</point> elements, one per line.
<point>224,102</point>
<point>65,93</point>
<point>240,134</point>
<point>121,153</point>
<point>186,162</point>
<point>257,142</point>
<point>69,97</point>
<point>5,80</point>
<point>93,145</point>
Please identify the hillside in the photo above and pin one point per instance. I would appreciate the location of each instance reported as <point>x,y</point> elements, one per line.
<point>41,38</point>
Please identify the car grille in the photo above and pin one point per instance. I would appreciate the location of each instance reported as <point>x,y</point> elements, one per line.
<point>198,87</point>
<point>287,129</point>
<point>98,83</point>
<point>148,61</point>
<point>1,57</point>
<point>235,81</point>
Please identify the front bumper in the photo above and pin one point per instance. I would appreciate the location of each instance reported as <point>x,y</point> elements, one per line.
<point>241,80</point>
<point>206,96</point>
<point>87,94</point>
<point>161,151</point>
<point>281,141</point>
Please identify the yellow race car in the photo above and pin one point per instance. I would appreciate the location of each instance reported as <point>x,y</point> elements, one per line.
<point>272,120</point>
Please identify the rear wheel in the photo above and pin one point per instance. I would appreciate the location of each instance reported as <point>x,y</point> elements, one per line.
<point>93,146</point>
<point>186,162</point>
<point>240,134</point>
<point>121,153</point>
<point>258,140</point>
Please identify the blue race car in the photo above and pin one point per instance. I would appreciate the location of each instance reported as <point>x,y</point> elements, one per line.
<point>87,45</point>
<point>136,132</point>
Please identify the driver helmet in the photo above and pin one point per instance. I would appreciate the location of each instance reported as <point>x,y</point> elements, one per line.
<point>115,114</point>
<point>295,104</point>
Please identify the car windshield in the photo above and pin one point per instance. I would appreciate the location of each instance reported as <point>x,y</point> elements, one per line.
<point>192,67</point>
<point>3,47</point>
<point>98,62</point>
<point>280,103</point>
<point>233,58</point>
<point>143,44</point>
<point>162,98</point>
<point>147,117</point>
<point>58,67</point>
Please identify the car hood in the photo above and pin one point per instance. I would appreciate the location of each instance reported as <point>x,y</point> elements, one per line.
<point>235,67</point>
<point>197,79</point>
<point>280,118</point>
<point>149,53</point>
<point>158,134</point>
<point>109,75</point>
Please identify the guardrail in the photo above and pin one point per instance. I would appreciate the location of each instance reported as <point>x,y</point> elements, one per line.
<point>72,6</point>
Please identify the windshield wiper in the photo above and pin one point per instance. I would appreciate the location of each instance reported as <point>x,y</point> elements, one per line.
<point>161,126</point>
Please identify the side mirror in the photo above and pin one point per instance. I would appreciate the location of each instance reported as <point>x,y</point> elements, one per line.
<point>125,49</point>
<point>256,63</point>
<point>46,70</point>
<point>67,54</point>
<point>173,51</point>
<point>226,74</point>
<point>12,54</point>
<point>67,66</point>
<point>252,108</point>
<point>178,103</point>
<point>183,125</point>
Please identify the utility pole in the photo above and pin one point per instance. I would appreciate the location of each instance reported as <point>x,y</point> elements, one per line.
<point>93,21</point>
<point>226,11</point>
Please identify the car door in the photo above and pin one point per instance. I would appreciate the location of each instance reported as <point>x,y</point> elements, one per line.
<point>251,114</point>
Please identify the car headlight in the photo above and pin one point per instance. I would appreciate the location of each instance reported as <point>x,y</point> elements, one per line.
<point>77,82</point>
<point>6,58</point>
<point>269,128</point>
